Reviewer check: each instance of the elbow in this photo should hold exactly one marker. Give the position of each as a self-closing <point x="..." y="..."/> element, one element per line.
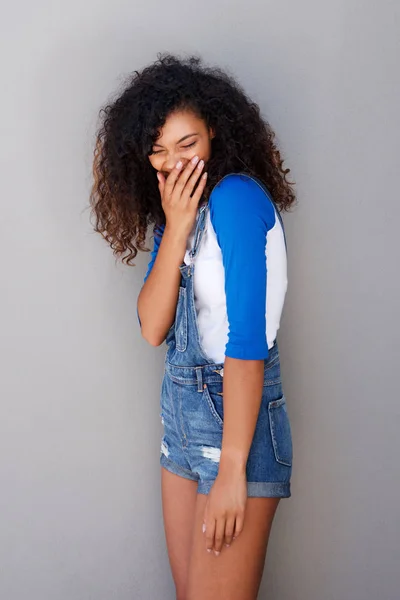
<point x="150" y="332"/>
<point x="152" y="337"/>
<point x="153" y="341"/>
<point x="149" y="335"/>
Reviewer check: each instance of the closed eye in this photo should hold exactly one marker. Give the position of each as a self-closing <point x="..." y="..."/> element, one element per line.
<point x="189" y="146"/>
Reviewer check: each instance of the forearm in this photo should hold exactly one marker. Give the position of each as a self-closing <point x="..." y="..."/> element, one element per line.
<point x="158" y="297"/>
<point x="242" y="394"/>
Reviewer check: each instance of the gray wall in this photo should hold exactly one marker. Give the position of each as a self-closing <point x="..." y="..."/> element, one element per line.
<point x="79" y="505"/>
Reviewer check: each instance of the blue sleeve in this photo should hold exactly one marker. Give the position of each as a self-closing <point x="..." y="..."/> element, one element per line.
<point x="158" y="233"/>
<point x="242" y="213"/>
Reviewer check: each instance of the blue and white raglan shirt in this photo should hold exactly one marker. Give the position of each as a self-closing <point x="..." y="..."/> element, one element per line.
<point x="240" y="276"/>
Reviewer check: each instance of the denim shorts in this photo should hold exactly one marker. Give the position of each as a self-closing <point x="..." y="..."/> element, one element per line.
<point x="192" y="415"/>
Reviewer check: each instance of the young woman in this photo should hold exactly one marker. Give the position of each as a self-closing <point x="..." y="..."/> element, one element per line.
<point x="185" y="150"/>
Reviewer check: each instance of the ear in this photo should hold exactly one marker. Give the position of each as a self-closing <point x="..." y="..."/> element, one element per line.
<point x="212" y="133"/>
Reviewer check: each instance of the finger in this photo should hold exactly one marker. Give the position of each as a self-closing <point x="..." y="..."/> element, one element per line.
<point x="161" y="182"/>
<point x="172" y="177"/>
<point x="229" y="531"/>
<point x="219" y="535"/>
<point x="209" y="533"/>
<point x="199" y="190"/>
<point x="205" y="517"/>
<point x="194" y="178"/>
<point x="239" y="525"/>
<point x="186" y="173"/>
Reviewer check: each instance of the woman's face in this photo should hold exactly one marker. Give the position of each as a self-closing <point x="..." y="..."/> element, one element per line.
<point x="183" y="136"/>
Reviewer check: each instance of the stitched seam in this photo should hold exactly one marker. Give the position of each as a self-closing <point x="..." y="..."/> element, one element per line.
<point x="181" y="330"/>
<point x="272" y="382"/>
<point x="179" y="467"/>
<point x="274" y="440"/>
<point x="186" y="367"/>
<point x="193" y="381"/>
<point x="212" y="407"/>
<point x="272" y="363"/>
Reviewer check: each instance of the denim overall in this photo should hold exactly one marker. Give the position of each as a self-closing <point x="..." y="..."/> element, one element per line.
<point x="192" y="404"/>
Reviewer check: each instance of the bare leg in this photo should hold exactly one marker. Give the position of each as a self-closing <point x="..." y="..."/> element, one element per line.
<point x="236" y="573"/>
<point x="179" y="504"/>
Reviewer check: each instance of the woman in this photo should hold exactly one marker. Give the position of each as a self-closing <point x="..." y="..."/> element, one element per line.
<point x="184" y="149"/>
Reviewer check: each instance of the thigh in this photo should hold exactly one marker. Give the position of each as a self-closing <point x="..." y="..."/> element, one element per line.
<point x="179" y="505"/>
<point x="236" y="573"/>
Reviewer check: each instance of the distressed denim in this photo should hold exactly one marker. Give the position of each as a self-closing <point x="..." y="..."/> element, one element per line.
<point x="192" y="409"/>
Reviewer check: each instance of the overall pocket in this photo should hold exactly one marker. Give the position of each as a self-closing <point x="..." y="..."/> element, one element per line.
<point x="280" y="431"/>
<point x="181" y="321"/>
<point x="212" y="394"/>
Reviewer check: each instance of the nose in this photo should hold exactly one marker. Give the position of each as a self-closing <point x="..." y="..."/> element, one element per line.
<point x="170" y="163"/>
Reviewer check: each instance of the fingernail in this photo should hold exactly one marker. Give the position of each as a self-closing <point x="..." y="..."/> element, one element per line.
<point x="158" y="176"/>
<point x="208" y="550"/>
<point x="179" y="164"/>
<point x="204" y="527"/>
<point x="195" y="159"/>
<point x="201" y="164"/>
<point x="227" y="545"/>
<point x="217" y="553"/>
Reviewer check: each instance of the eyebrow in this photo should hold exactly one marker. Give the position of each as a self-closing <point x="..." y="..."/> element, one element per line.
<point x="179" y="141"/>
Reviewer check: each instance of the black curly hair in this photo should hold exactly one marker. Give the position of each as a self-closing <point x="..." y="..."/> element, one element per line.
<point x="125" y="198"/>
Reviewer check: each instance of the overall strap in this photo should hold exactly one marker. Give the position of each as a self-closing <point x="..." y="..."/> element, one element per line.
<point x="264" y="187"/>
<point x="200" y="227"/>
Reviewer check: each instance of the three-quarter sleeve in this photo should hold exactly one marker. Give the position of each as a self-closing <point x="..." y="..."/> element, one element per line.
<point x="158" y="232"/>
<point x="242" y="214"/>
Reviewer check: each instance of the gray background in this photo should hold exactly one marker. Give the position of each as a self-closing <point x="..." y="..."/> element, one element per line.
<point x="80" y="499"/>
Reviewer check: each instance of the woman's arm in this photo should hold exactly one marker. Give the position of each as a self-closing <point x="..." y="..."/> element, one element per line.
<point x="243" y="387"/>
<point x="158" y="297"/>
<point x="241" y="215"/>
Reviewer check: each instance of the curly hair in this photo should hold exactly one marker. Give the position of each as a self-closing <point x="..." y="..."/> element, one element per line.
<point x="125" y="197"/>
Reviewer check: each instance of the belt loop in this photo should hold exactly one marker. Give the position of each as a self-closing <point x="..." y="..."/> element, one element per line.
<point x="199" y="376"/>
